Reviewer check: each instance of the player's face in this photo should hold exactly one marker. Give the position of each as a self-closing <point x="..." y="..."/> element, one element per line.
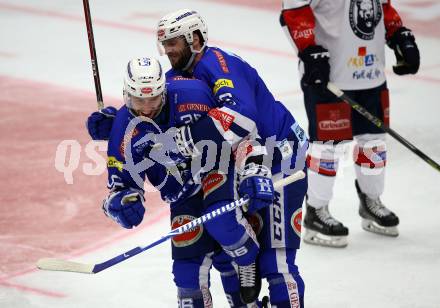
<point x="147" y="106"/>
<point x="177" y="51"/>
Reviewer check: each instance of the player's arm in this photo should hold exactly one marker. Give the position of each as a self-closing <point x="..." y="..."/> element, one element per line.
<point x="401" y="40"/>
<point x="298" y="21"/>
<point x="232" y="123"/>
<point x="124" y="203"/>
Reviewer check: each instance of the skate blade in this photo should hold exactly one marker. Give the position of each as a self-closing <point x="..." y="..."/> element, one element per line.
<point x="372" y="226"/>
<point x="316" y="238"/>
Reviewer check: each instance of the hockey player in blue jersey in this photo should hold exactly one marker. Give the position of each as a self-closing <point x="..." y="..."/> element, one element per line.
<point x="150" y="108"/>
<point x="247" y="110"/>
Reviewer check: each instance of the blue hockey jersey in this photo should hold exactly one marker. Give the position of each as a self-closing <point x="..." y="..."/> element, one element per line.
<point x="247" y="107"/>
<point x="129" y="159"/>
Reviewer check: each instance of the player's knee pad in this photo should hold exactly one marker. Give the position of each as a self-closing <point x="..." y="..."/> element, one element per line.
<point x="234" y="234"/>
<point x="370" y="151"/>
<point x="194" y="298"/>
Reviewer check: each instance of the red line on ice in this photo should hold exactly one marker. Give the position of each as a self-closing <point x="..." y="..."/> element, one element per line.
<point x="124" y="26"/>
<point x="24" y="288"/>
<point x="33" y="224"/>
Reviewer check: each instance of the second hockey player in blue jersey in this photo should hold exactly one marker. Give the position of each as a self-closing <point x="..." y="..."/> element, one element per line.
<point x="247" y="111"/>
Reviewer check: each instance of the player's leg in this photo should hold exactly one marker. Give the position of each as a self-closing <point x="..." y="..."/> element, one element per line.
<point x="320" y="227"/>
<point x="232" y="231"/>
<point x="192" y="254"/>
<point x="279" y="233"/>
<point x="329" y="125"/>
<point x="286" y="287"/>
<point x="191" y="277"/>
<point x="230" y="280"/>
<point x="370" y="163"/>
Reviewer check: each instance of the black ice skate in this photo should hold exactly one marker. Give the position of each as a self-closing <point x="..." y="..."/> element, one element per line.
<point x="250" y="283"/>
<point x="375" y="216"/>
<point x="322" y="229"/>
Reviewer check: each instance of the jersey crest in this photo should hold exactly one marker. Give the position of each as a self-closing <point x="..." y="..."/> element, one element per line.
<point x="364" y="16"/>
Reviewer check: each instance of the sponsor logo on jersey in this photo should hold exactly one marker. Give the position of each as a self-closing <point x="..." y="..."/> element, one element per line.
<point x="296" y="220"/>
<point x="212" y="181"/>
<point x="364" y="16"/>
<point x="285" y="148"/>
<point x="221" y="61"/>
<point x="362" y="59"/>
<point x="221" y="83"/>
<point x="334" y="125"/>
<point x="126" y="141"/>
<point x="256" y="222"/>
<point x="299" y="133"/>
<point x="224" y="118"/>
<point x="192" y="107"/>
<point x="304" y="34"/>
<point x="189" y="237"/>
<point x="112" y="162"/>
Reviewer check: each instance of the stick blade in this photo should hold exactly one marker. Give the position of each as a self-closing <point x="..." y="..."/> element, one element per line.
<point x="53" y="264"/>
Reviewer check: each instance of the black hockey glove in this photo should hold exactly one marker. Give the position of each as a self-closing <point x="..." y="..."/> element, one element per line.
<point x="316" y="67"/>
<point x="406" y="51"/>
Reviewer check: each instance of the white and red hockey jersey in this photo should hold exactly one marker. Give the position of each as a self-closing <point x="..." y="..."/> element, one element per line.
<point x="354" y="32"/>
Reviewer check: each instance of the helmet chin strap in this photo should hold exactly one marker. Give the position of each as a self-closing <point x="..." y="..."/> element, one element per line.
<point x="194" y="53"/>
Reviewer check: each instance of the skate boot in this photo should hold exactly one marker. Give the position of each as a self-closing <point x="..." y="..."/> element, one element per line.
<point x="322" y="229"/>
<point x="250" y="282"/>
<point x="375" y="216"/>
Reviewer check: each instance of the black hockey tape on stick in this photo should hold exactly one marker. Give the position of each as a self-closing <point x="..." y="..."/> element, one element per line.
<point x="93" y="58"/>
<point x="356" y="106"/>
<point x="53" y="264"/>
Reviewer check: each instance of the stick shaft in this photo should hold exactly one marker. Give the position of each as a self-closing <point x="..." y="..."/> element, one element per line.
<point x="64" y="265"/>
<point x="356" y="106"/>
<point x="93" y="57"/>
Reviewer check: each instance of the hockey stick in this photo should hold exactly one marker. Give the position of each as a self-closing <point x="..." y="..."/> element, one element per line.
<point x="53" y="264"/>
<point x="93" y="58"/>
<point x="356" y="106"/>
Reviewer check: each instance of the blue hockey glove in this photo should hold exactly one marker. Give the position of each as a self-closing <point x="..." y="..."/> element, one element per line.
<point x="256" y="183"/>
<point x="125" y="207"/>
<point x="99" y="123"/>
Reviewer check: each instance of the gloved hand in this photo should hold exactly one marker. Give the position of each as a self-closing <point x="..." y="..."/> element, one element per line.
<point x="316" y="67"/>
<point x="99" y="123"/>
<point x="407" y="53"/>
<point x="256" y="183"/>
<point x="125" y="207"/>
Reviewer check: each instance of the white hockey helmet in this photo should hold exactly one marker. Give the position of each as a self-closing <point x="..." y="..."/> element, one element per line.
<point x="143" y="78"/>
<point x="181" y="23"/>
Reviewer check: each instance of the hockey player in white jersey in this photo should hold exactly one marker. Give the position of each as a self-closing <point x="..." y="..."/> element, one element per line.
<point x="343" y="41"/>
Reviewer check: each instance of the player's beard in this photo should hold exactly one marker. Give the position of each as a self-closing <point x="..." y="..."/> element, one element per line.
<point x="182" y="58"/>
